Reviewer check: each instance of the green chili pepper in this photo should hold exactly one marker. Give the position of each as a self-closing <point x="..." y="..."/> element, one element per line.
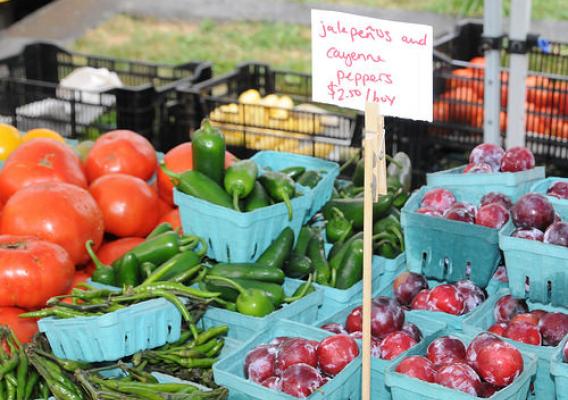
<point x="400" y="199"/>
<point x="248" y="271"/>
<point x="280" y="187"/>
<point x="31" y="383"/>
<point x="316" y="253"/>
<point x="174" y="266"/>
<point x="208" y="151"/>
<point x="309" y="178"/>
<point x="293" y="172"/>
<point x="240" y="179"/>
<point x="127" y="272"/>
<point x="161" y="248"/>
<point x="387" y="249"/>
<point x="9" y="366"/>
<point x="11" y="390"/>
<point x="298" y="267"/>
<point x="336" y="257"/>
<point x="161" y="228"/>
<point x="358" y="177"/>
<point x="338" y="227"/>
<point x="273" y="290"/>
<point x="199" y="185"/>
<point x="384" y="223"/>
<point x="279" y="250"/>
<point x="258" y="198"/>
<point x="352" y="209"/>
<point x="103" y="273"/>
<point x="304" y="238"/>
<point x="253" y="302"/>
<point x="351" y="269"/>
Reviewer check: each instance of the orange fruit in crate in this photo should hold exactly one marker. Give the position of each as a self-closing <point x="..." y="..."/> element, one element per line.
<point x="467" y="78"/>
<point x="560" y="129"/>
<point x="42" y="133"/>
<point x="10" y="139"/>
<point x="464" y="105"/>
<point x="560" y="97"/>
<point x="539" y="90"/>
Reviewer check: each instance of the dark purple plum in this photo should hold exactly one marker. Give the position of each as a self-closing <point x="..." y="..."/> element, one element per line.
<point x="533" y="210"/>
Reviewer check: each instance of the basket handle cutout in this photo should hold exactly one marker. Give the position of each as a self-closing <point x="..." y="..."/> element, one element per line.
<point x="527" y="286"/>
<point x="549" y="291"/>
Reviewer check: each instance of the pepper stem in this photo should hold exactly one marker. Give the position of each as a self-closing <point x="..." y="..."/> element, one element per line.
<point x="174" y="177"/>
<point x="98" y="263"/>
<point x="288" y="203"/>
<point x="234" y="284"/>
<point x="236" y="200"/>
<point x="302" y="292"/>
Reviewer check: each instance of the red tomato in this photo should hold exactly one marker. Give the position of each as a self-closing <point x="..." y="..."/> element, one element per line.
<point x="111" y="251"/>
<point x="173" y="218"/>
<point x="179" y="159"/>
<point x="32" y="271"/>
<point x="164" y="207"/>
<point x="58" y="212"/>
<point x="129" y="205"/>
<point x="24" y="328"/>
<point x="124" y="152"/>
<point x="39" y="161"/>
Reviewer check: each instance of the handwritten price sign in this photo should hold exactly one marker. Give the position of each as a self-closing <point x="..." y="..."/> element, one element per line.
<point x="357" y="59"/>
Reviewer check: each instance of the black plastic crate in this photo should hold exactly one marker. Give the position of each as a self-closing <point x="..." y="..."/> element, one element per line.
<point x="458" y="102"/>
<point x="30" y="96"/>
<point x="332" y="133"/>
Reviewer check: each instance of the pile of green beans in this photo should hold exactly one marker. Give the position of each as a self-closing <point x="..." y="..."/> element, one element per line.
<point x="31" y="371"/>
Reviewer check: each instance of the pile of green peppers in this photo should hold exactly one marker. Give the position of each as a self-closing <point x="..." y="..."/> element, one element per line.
<point x="256" y="289"/>
<point x="32" y="371"/>
<point x="238" y="187"/>
<point x="163" y="250"/>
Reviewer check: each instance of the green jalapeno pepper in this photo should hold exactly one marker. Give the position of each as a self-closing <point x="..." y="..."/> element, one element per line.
<point x="309" y="178"/>
<point x="258" y="198"/>
<point x="294" y="172"/>
<point x="352" y="209"/>
<point x="280" y="188"/>
<point x="338" y="227"/>
<point x="279" y="250"/>
<point x="240" y="179"/>
<point x="208" y="152"/>
<point x="104" y="274"/>
<point x="249" y="271"/>
<point x="351" y="270"/>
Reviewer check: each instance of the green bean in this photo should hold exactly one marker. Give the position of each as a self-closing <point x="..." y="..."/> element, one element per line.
<point x="11" y="389"/>
<point x="43" y="390"/>
<point x="216" y="349"/>
<point x="2" y="393"/>
<point x="9" y="366"/>
<point x="177" y="287"/>
<point x="21" y="373"/>
<point x="211" y="333"/>
<point x="30" y="384"/>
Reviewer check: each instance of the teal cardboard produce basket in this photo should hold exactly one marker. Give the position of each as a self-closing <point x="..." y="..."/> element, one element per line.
<point x="513" y="184"/>
<point x="234" y="236"/>
<point x="542" y="186"/>
<point x="481" y="321"/>
<point x="537" y="271"/>
<point x="449" y="250"/>
<point x="243" y="327"/>
<point x="111" y="336"/>
<point x="404" y="387"/>
<point x="276" y="161"/>
<point x="229" y="371"/>
<point x="559" y="372"/>
<point x="430" y="329"/>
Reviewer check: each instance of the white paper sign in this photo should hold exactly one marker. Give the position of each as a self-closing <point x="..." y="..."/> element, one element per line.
<point x="357" y="59"/>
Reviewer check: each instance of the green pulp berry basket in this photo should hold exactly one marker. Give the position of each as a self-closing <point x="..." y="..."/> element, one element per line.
<point x="481" y="321"/>
<point x="384" y="271"/>
<point x="542" y="186"/>
<point x="229" y="371"/>
<point x="111" y="336"/>
<point x="404" y="387"/>
<point x="537" y="271"/>
<point x="234" y="236"/>
<point x="449" y="250"/>
<point x="321" y="193"/>
<point x="242" y="327"/>
<point x="513" y="184"/>
<point x="559" y="372"/>
<point x="453" y="322"/>
<point x="430" y="329"/>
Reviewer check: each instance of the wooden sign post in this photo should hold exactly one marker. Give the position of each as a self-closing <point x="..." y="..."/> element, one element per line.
<point x="375" y="185"/>
<point x="361" y="63"/>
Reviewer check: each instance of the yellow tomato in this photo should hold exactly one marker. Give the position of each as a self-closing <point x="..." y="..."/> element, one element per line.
<point x="42" y="133"/>
<point x="10" y="139"/>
